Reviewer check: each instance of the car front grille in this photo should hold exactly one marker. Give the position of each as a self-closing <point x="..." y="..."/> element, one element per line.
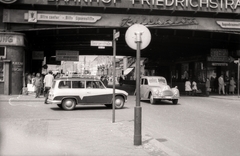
<point x="167" y="93"/>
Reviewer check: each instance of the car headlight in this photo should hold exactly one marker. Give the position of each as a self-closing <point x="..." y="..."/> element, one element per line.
<point x="156" y="92"/>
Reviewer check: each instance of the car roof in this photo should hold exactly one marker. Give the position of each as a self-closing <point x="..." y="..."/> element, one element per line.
<point x="78" y="77"/>
<point x="153" y="77"/>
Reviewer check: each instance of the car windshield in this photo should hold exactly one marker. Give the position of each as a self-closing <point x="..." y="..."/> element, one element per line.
<point x="156" y="81"/>
<point x="94" y="84"/>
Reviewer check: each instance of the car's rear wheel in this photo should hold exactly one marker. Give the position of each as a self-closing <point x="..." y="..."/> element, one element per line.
<point x="119" y="102"/>
<point x="59" y="105"/>
<point x="175" y="101"/>
<point x="68" y="104"/>
<point x="152" y="100"/>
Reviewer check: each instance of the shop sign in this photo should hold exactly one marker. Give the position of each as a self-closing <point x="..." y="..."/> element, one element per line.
<point x="229" y="24"/>
<point x="65" y="55"/>
<point x="11" y="40"/>
<point x="218" y="59"/>
<point x="194" y="5"/>
<point x="17" y="66"/>
<point x="33" y="17"/>
<point x="219" y="53"/>
<point x="37" y="55"/>
<point x="158" y="22"/>
<point x="219" y="64"/>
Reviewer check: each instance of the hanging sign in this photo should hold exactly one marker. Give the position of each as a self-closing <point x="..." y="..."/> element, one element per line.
<point x="66" y="55"/>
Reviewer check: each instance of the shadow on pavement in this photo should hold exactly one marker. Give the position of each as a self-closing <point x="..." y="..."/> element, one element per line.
<point x="86" y="108"/>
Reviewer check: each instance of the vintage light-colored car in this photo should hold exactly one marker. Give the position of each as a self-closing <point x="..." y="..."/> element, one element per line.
<point x="68" y="92"/>
<point x="156" y="88"/>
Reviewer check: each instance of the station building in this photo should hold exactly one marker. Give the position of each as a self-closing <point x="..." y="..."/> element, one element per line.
<point x="195" y="39"/>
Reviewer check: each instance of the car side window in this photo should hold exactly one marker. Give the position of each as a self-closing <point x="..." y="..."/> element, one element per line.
<point x="142" y="80"/>
<point x="64" y="84"/>
<point x="146" y="82"/>
<point x="78" y="84"/>
<point x="90" y="84"/>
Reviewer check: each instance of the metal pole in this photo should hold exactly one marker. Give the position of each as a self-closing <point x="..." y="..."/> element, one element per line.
<point x="138" y="109"/>
<point x="114" y="73"/>
<point x="238" y="76"/>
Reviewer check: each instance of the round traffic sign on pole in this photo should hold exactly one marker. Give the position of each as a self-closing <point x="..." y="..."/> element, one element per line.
<point x="131" y="36"/>
<point x="138" y="37"/>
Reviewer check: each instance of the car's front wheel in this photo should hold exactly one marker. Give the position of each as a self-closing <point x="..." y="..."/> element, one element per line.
<point x="68" y="104"/>
<point x="119" y="102"/>
<point x="152" y="100"/>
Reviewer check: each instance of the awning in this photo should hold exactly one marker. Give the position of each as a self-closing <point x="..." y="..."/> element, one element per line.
<point x="127" y="71"/>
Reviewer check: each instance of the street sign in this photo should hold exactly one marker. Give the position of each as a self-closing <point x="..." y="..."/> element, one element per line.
<point x="131" y="36"/>
<point x="101" y="43"/>
<point x="236" y="61"/>
<point x="116" y="35"/>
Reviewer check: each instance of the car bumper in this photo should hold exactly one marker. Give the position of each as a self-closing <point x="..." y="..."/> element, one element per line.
<point x="49" y="101"/>
<point x="165" y="97"/>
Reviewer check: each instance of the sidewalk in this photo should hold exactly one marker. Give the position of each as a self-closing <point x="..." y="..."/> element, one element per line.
<point x="72" y="136"/>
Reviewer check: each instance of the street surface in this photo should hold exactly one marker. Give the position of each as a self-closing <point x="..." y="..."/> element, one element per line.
<point x="197" y="126"/>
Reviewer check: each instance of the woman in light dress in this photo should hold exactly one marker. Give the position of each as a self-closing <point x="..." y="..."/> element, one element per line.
<point x="188" y="88"/>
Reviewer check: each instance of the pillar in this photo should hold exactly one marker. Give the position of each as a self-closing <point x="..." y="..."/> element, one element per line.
<point x="14" y="61"/>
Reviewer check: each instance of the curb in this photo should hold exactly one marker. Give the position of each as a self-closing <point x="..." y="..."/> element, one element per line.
<point x="226" y="98"/>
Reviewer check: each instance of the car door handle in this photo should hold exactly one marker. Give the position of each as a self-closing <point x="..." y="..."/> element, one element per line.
<point x="88" y="92"/>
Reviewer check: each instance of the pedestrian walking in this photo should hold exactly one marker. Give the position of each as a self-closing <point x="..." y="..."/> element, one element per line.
<point x="37" y="83"/>
<point x="48" y="81"/>
<point x="227" y="84"/>
<point x="188" y="88"/>
<point x="221" y="85"/>
<point x="105" y="81"/>
<point x="208" y="85"/>
<point x="232" y="86"/>
<point x="194" y="87"/>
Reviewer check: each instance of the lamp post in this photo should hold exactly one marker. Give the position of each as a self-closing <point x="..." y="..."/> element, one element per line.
<point x="237" y="62"/>
<point x="138" y="37"/>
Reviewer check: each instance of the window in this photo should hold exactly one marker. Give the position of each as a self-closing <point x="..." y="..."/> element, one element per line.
<point x="64" y="84"/>
<point x="2" y="52"/>
<point x="94" y="84"/>
<point x="142" y="80"/>
<point x="78" y="84"/>
<point x="146" y="82"/>
<point x="161" y="80"/>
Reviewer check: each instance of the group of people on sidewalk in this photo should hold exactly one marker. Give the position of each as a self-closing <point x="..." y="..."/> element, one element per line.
<point x="225" y="86"/>
<point x="191" y="87"/>
<point x="40" y="84"/>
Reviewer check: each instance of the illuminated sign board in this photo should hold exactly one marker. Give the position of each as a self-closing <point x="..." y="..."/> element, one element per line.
<point x="11" y="39"/>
